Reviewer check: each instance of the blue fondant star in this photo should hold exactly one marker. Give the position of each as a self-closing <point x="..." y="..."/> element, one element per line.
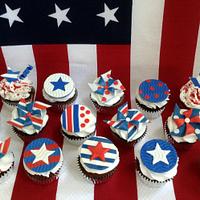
<point x="60" y="84"/>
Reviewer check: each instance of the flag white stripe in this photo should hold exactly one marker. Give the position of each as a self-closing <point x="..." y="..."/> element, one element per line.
<point x="16" y="57"/>
<point x="83" y="69"/>
<point x="196" y="69"/>
<point x="145" y="51"/>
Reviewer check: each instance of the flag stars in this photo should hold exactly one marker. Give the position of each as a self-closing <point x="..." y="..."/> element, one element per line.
<point x="11" y="15"/>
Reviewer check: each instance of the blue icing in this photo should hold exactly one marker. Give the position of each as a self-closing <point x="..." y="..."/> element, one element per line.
<point x="159" y="167"/>
<point x="153" y="90"/>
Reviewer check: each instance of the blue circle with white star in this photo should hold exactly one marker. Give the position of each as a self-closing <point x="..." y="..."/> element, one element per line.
<point x="153" y="90"/>
<point x="58" y="85"/>
<point x="158" y="161"/>
<point x="43" y="148"/>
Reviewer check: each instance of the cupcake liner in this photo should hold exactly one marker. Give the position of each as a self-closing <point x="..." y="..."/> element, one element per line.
<point x="76" y="141"/>
<point x="150" y="114"/>
<point x="105" y="109"/>
<point x="102" y="178"/>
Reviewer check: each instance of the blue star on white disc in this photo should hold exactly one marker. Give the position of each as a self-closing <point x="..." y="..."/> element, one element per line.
<point x="59" y="84"/>
<point x="159" y="155"/>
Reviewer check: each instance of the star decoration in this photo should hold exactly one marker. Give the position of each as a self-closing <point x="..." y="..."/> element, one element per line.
<point x="127" y="120"/>
<point x="11" y="76"/>
<point x="11" y="15"/>
<point x="98" y="151"/>
<point x="60" y="15"/>
<point x="159" y="155"/>
<point x="196" y="81"/>
<point x="59" y="85"/>
<point x="187" y="122"/>
<point x="42" y="154"/>
<point x="108" y="14"/>
<point x="106" y="86"/>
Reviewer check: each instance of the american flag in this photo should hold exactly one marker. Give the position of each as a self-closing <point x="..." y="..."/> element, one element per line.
<point x="137" y="40"/>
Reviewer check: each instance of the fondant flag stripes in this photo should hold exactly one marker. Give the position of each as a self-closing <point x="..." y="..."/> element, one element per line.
<point x="4" y="146"/>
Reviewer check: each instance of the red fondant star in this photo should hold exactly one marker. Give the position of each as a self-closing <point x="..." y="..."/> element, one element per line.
<point x="98" y="151"/>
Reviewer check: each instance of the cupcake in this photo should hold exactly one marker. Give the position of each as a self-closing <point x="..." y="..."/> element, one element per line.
<point x="6" y="160"/>
<point x="78" y="123"/>
<point x="129" y="125"/>
<point x="106" y="92"/>
<point x="157" y="162"/>
<point x="98" y="159"/>
<point x="190" y="93"/>
<point x="152" y="97"/>
<point x="29" y="118"/>
<point x="15" y="85"/>
<point x="42" y="160"/>
<point x="59" y="90"/>
<point x="183" y="126"/>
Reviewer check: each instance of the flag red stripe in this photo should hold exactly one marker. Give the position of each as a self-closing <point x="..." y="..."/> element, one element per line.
<point x="3" y="69"/>
<point x="179" y="39"/>
<point x="69" y="118"/>
<point x="49" y="59"/>
<point x="117" y="58"/>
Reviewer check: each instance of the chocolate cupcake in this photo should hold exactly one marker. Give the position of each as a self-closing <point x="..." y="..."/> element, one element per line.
<point x="28" y="119"/>
<point x="190" y="93"/>
<point x="78" y="123"/>
<point x="183" y="126"/>
<point x="157" y="162"/>
<point x="6" y="160"/>
<point x="106" y="92"/>
<point x="42" y="160"/>
<point x="59" y="90"/>
<point x="129" y="125"/>
<point x="98" y="159"/>
<point x="15" y="85"/>
<point x="151" y="97"/>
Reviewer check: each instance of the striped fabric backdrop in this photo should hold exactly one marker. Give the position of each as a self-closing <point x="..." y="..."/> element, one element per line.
<point x="165" y="44"/>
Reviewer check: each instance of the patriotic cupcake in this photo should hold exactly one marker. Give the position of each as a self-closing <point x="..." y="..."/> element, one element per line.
<point x="15" y="85"/>
<point x="190" y="93"/>
<point x="29" y="118"/>
<point x="129" y="125"/>
<point x="78" y="123"/>
<point x="106" y="92"/>
<point x="59" y="90"/>
<point x="6" y="160"/>
<point x="98" y="159"/>
<point x="157" y="162"/>
<point x="183" y="126"/>
<point x="152" y="97"/>
<point x="42" y="160"/>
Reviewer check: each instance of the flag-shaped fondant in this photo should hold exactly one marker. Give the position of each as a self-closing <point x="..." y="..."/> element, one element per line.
<point x="127" y="120"/>
<point x="29" y="114"/>
<point x="196" y="81"/>
<point x="4" y="146"/>
<point x="106" y="86"/>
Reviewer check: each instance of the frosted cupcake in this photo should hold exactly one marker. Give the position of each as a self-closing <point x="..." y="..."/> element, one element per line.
<point x="42" y="160"/>
<point x="183" y="126"/>
<point x="106" y="92"/>
<point x="59" y="90"/>
<point x="6" y="160"/>
<point x="151" y="97"/>
<point x="129" y="125"/>
<point x="16" y="85"/>
<point x="98" y="159"/>
<point x="78" y="123"/>
<point x="29" y="118"/>
<point x="157" y="162"/>
<point x="190" y="93"/>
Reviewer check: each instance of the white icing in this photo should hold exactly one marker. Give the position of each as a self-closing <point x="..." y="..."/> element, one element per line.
<point x="191" y="138"/>
<point x="6" y="162"/>
<point x="9" y="92"/>
<point x="190" y="95"/>
<point x="149" y="104"/>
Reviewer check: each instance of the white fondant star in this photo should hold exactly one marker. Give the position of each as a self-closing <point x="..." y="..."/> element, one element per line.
<point x="11" y="15"/>
<point x="42" y="154"/>
<point x="108" y="14"/>
<point x="159" y="154"/>
<point x="60" y="15"/>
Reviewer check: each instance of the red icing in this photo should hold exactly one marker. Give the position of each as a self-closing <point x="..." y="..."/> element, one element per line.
<point x="116" y="83"/>
<point x="107" y="92"/>
<point x="86" y="120"/>
<point x="147" y="97"/>
<point x="140" y="91"/>
<point x="82" y="115"/>
<point x="156" y="96"/>
<point x="160" y="84"/>
<point x="82" y="108"/>
<point x="82" y="125"/>
<point x="104" y="99"/>
<point x="152" y="88"/>
<point x="148" y="81"/>
<point x="87" y="112"/>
